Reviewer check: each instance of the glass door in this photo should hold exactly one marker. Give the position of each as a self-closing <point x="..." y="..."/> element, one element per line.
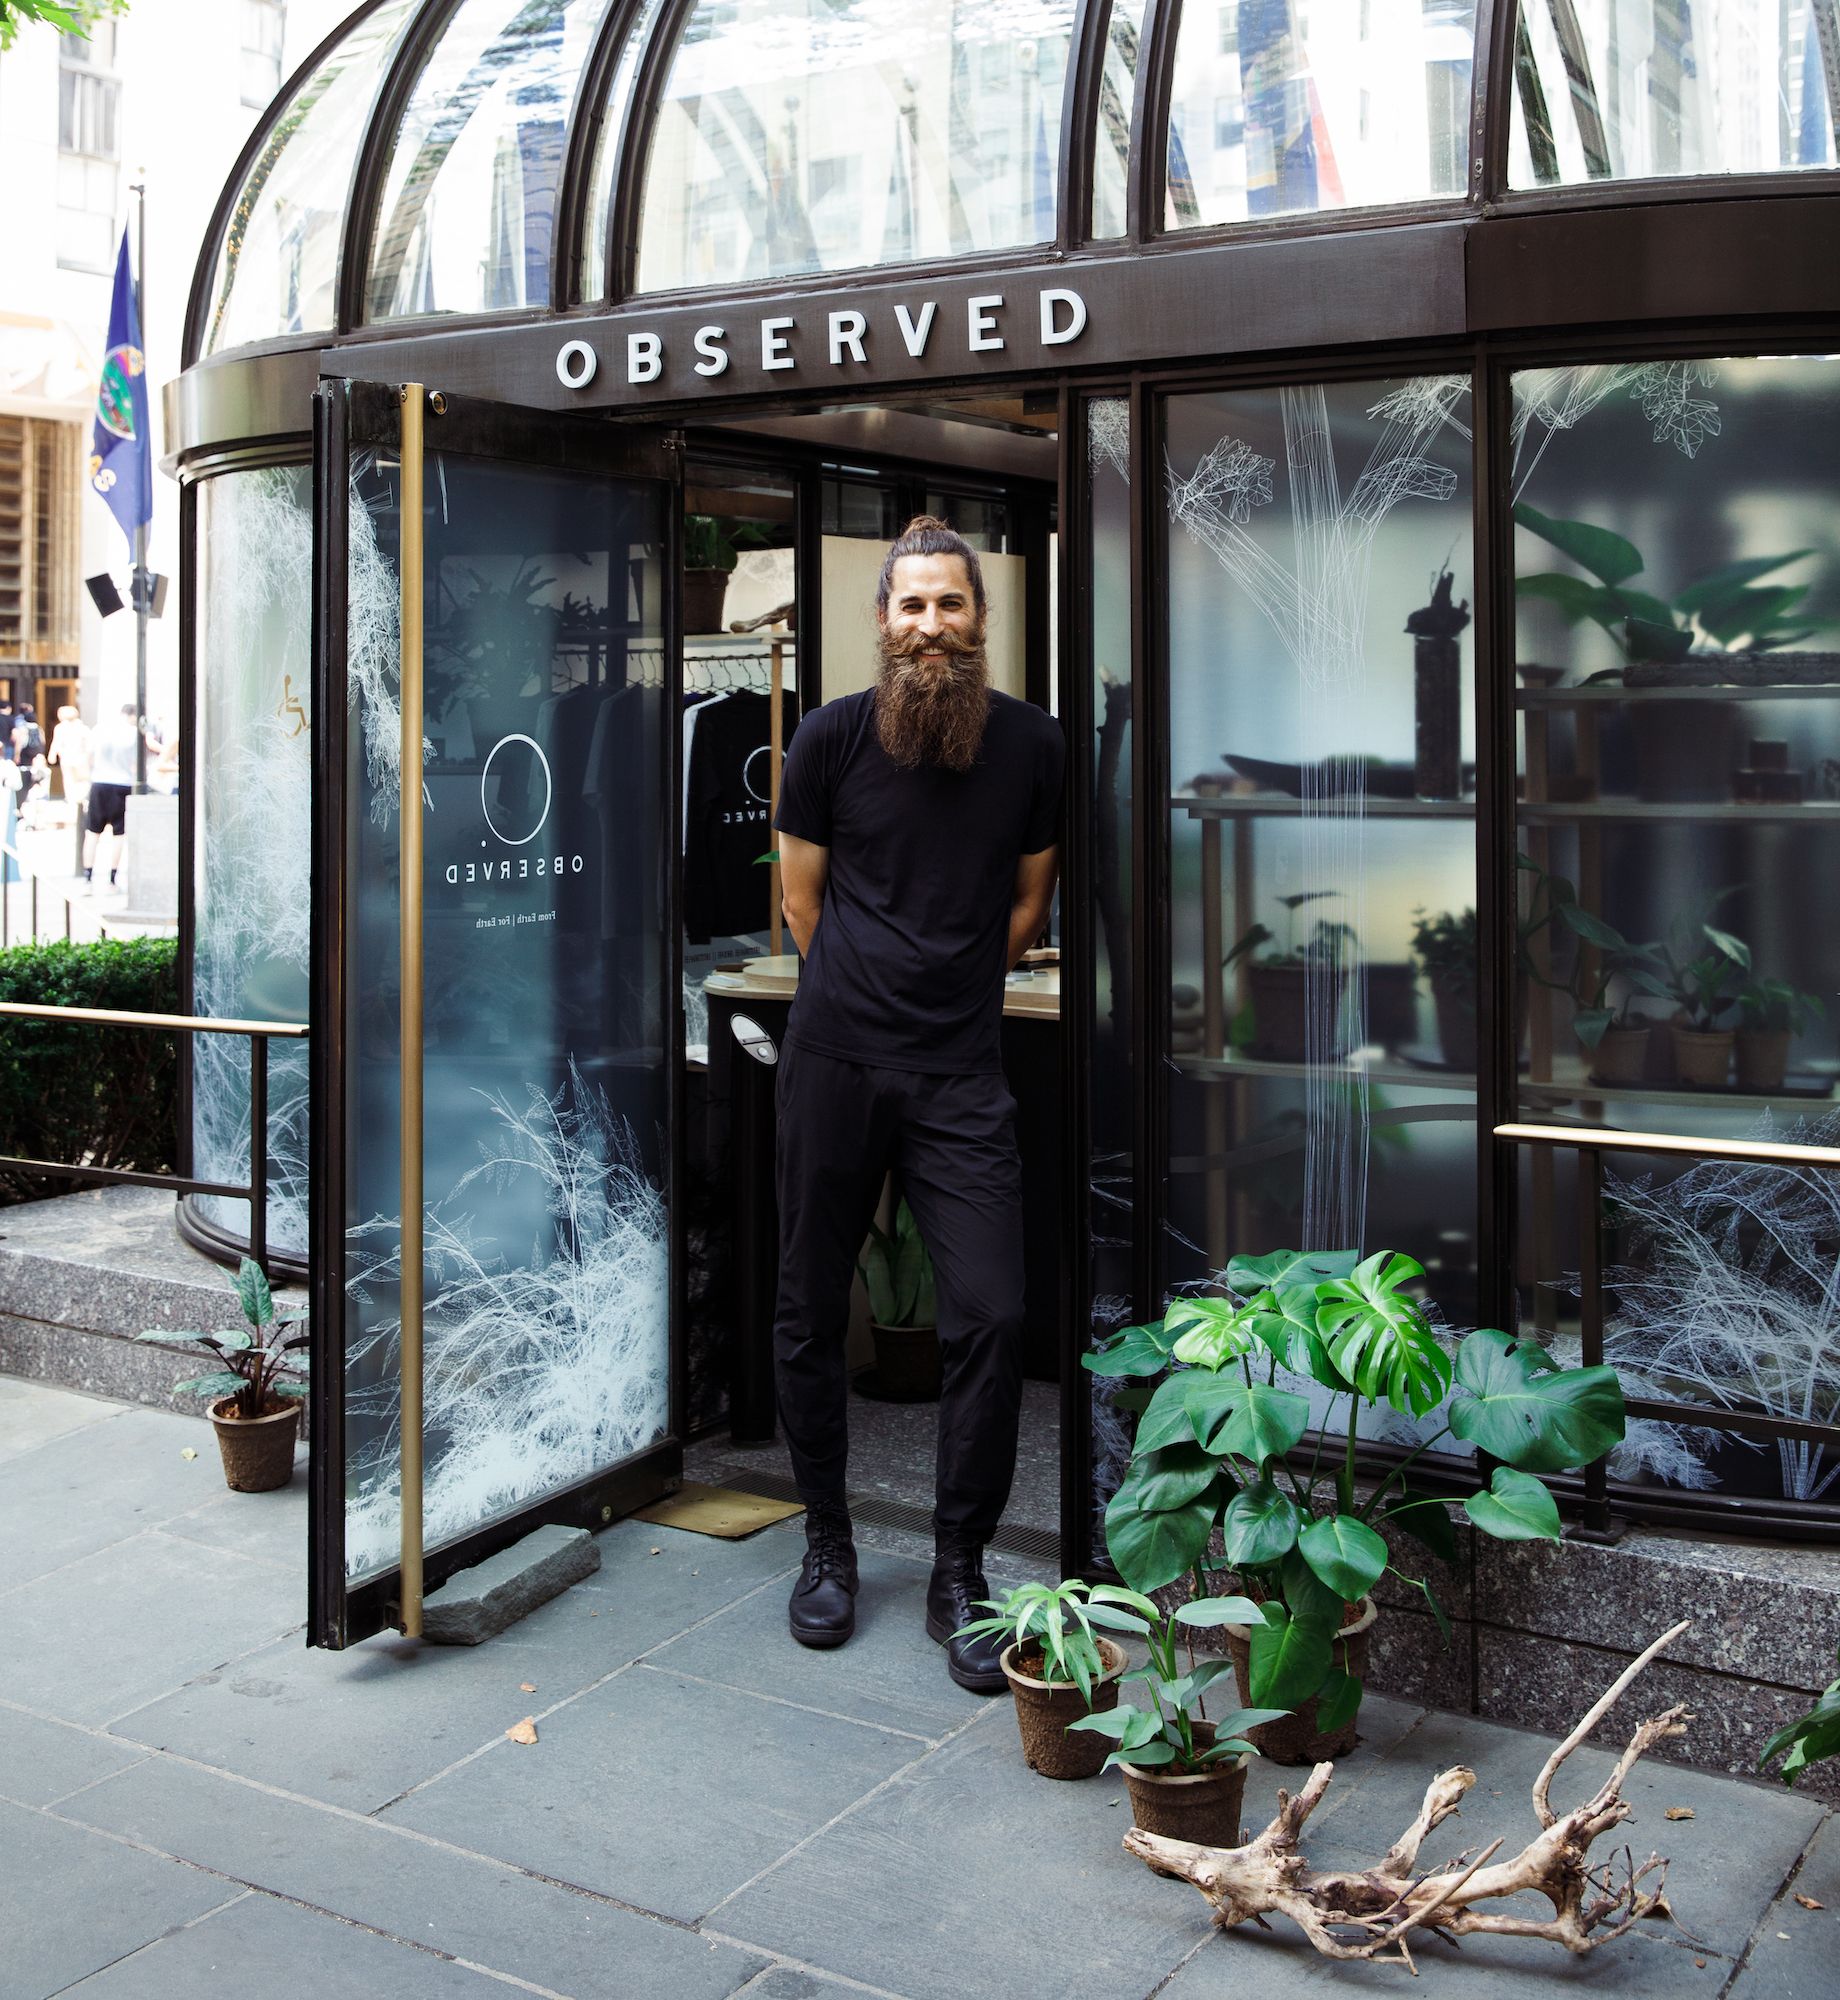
<point x="495" y="1020"/>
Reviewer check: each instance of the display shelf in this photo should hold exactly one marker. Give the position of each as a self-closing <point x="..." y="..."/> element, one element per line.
<point x="1381" y="1068"/>
<point x="1674" y="812"/>
<point x="1280" y="805"/>
<point x="1541" y="1095"/>
<point x="1587" y="697"/>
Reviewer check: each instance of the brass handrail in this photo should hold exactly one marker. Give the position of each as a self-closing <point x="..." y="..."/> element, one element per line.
<point x="1609" y="1139"/>
<point x="116" y="1017"/>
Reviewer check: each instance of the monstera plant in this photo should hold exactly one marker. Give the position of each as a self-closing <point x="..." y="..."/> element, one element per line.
<point x="1222" y="1445"/>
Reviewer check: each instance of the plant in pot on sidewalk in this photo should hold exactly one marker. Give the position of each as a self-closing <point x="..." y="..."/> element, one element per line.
<point x="1186" y="1774"/>
<point x="1059" y="1667"/>
<point x="1771" y="1013"/>
<point x="255" y="1414"/>
<point x="1701" y="965"/>
<point x="903" y="1319"/>
<point x="1222" y="1447"/>
<point x="1282" y="983"/>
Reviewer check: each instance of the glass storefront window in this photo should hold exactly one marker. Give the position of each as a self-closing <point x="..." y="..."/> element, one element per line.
<point x="828" y="135"/>
<point x="1112" y="135"/>
<point x="251" y="891"/>
<point x="278" y="266"/>
<point x="1277" y="108"/>
<point x="1606" y="90"/>
<point x="1322" y="836"/>
<point x="469" y="206"/>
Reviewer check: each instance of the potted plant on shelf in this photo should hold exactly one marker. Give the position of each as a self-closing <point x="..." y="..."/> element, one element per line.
<point x="1771" y="1013"/>
<point x="255" y="1414"/>
<point x="1281" y="984"/>
<point x="1613" y="1037"/>
<point x="1446" y="946"/>
<point x="1186" y="1775"/>
<point x="1700" y="964"/>
<point x="898" y="1273"/>
<point x="1221" y="1448"/>
<point x="712" y="547"/>
<point x="1058" y="1667"/>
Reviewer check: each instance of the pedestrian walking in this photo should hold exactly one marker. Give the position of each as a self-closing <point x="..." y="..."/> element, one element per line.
<point x="70" y="751"/>
<point x="917" y="829"/>
<point x="111" y="780"/>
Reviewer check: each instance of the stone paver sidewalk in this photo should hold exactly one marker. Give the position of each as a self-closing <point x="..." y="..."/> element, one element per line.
<point x="193" y="1804"/>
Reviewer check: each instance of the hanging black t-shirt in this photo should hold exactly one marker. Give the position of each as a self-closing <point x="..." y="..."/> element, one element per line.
<point x="907" y="963"/>
<point x="727" y="890"/>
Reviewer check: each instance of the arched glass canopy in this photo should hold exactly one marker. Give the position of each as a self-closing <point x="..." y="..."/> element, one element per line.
<point x="461" y="158"/>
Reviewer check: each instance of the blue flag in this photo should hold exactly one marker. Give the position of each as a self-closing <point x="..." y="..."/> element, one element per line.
<point x="121" y="449"/>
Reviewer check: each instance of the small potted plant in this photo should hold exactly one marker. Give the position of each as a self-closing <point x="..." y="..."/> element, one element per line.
<point x="898" y="1273"/>
<point x="1186" y="1774"/>
<point x="1446" y="946"/>
<point x="1810" y="1739"/>
<point x="1701" y="963"/>
<point x="1613" y="1037"/>
<point x="1280" y="984"/>
<point x="1219" y="1451"/>
<point x="1771" y="1013"/>
<point x="1058" y="1667"/>
<point x="712" y="547"/>
<point x="255" y="1414"/>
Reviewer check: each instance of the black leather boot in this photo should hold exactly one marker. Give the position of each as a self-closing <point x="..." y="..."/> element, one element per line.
<point x="954" y="1597"/>
<point x="823" y="1607"/>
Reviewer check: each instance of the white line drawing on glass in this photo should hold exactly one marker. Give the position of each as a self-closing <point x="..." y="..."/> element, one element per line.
<point x="535" y="1374"/>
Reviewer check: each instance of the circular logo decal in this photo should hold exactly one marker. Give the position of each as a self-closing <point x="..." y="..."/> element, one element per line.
<point x="121" y="367"/>
<point x="515" y="804"/>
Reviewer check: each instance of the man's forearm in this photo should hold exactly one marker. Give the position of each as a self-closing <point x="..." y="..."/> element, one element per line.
<point x="1025" y="922"/>
<point x="803" y="924"/>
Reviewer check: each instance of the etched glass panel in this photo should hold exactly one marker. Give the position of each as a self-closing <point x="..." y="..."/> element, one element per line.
<point x="469" y="207"/>
<point x="1322" y="857"/>
<point x="827" y="135"/>
<point x="1112" y="131"/>
<point x="1277" y="108"/>
<point x="546" y="1106"/>
<point x="252" y="889"/>
<point x="278" y="266"/>
<point x="1622" y="90"/>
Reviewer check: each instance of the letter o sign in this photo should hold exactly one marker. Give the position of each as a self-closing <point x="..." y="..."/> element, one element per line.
<point x="575" y="364"/>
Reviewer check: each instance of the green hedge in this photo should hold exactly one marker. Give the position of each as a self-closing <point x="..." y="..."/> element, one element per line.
<point x="105" y="1097"/>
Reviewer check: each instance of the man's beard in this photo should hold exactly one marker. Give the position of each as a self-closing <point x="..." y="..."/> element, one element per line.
<point x="932" y="711"/>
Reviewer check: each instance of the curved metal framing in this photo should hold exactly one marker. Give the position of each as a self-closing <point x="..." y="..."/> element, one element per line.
<point x="373" y="162"/>
<point x="198" y="304"/>
<point x="1143" y="170"/>
<point x="638" y="120"/>
<point x="579" y="146"/>
<point x="1079" y="102"/>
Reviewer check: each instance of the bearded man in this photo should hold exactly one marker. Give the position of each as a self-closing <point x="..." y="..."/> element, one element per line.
<point x="917" y="827"/>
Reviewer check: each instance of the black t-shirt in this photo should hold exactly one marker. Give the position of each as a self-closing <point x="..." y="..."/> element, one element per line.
<point x="907" y="963"/>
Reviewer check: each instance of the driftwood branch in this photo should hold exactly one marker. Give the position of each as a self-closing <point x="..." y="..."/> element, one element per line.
<point x="1372" y="1913"/>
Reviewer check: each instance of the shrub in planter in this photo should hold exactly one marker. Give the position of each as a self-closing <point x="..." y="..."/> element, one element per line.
<point x="1771" y="1013"/>
<point x="898" y="1274"/>
<point x="256" y="1415"/>
<point x="1060" y="1668"/>
<point x="71" y="1092"/>
<point x="1220" y="1443"/>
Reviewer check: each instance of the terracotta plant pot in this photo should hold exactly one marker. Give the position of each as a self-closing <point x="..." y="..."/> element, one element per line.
<point x="258" y="1452"/>
<point x="1621" y="1057"/>
<point x="907" y="1363"/>
<point x="1702" y="1057"/>
<point x="1763" y="1058"/>
<point x="1279" y="1015"/>
<point x="1455" y="1004"/>
<point x="1204" y="1807"/>
<point x="1295" y="1738"/>
<point x="1045" y="1708"/>
<point x="705" y="591"/>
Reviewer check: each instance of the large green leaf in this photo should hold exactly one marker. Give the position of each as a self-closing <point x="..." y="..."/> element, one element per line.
<point x="1132" y="1350"/>
<point x="1606" y="555"/>
<point x="1289" y="1660"/>
<point x="1266" y="1424"/>
<point x="1380" y="1339"/>
<point x="1210" y="1333"/>
<point x="1310" y="1600"/>
<point x="1285" y="1320"/>
<point x="1430" y="1524"/>
<point x="1261" y="1525"/>
<point x="1149" y="1550"/>
<point x="1720" y="584"/>
<point x="1166" y="1421"/>
<point x="1345" y="1553"/>
<point x="1174" y="1476"/>
<point x="1211" y="1400"/>
<point x="1516" y="1508"/>
<point x="1278" y="1270"/>
<point x="221" y="1384"/>
<point x="1338" y="1700"/>
<point x="1808" y="1739"/>
<point x="1514" y="1400"/>
<point x="1576" y="599"/>
<point x="1206" y="1612"/>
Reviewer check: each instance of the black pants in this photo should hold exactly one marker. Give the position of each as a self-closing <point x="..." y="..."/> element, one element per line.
<point x="951" y="1142"/>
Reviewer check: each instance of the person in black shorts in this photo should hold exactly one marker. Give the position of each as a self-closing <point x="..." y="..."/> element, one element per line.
<point x="108" y="808"/>
<point x="113" y="754"/>
<point x="917" y="838"/>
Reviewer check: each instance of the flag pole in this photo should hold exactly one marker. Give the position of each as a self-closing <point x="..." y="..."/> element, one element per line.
<point x="139" y="190"/>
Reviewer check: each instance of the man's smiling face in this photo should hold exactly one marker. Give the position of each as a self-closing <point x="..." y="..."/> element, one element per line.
<point x="931" y="597"/>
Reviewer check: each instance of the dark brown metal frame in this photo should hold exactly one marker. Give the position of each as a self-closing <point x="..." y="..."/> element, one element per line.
<point x="357" y="414"/>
